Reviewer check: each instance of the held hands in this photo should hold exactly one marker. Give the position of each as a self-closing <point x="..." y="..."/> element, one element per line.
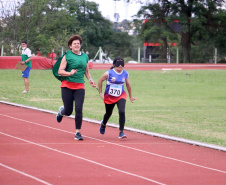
<point x="92" y="83"/>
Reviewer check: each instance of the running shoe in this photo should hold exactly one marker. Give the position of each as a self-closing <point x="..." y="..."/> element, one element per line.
<point x="122" y="135"/>
<point x="102" y="127"/>
<point x="59" y="116"/>
<point x="78" y="136"/>
<point x="25" y="91"/>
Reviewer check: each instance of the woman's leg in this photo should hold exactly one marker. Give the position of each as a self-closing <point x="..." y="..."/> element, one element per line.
<point x="121" y="104"/>
<point x="79" y="96"/>
<point x="67" y="97"/>
<point x="109" y="109"/>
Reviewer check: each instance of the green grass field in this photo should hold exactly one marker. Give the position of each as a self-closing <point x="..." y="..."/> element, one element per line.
<point x="187" y="104"/>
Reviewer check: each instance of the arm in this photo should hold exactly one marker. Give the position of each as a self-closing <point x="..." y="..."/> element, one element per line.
<point x="88" y="76"/>
<point x="102" y="78"/>
<point x="128" y="86"/>
<point x="23" y="62"/>
<point x="28" y="59"/>
<point x="62" y="68"/>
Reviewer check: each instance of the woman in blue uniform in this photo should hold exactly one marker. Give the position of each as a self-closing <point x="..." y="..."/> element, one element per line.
<point x="115" y="93"/>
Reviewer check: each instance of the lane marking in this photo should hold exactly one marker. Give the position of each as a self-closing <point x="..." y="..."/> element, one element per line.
<point x="139" y="150"/>
<point x="94" y="162"/>
<point x="101" y="143"/>
<point x="163" y="136"/>
<point x="171" y="69"/>
<point x="25" y="174"/>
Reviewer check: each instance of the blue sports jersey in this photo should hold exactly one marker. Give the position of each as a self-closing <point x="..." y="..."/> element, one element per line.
<point x="115" y="82"/>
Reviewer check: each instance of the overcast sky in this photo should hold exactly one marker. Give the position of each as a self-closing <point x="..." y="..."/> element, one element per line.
<point x="109" y="7"/>
<point x="125" y="10"/>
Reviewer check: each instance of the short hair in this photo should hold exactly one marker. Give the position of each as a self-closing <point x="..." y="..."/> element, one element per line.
<point x="25" y="42"/>
<point x="74" y="37"/>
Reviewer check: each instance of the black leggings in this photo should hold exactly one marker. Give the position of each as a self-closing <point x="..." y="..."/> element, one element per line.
<point x="121" y="104"/>
<point x="68" y="96"/>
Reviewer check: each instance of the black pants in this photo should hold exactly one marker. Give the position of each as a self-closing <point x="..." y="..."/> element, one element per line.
<point x="121" y="104"/>
<point x="68" y="97"/>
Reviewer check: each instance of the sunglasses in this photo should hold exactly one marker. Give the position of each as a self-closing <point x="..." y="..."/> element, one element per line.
<point x="118" y="63"/>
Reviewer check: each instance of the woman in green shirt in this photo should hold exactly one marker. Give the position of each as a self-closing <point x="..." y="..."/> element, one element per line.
<point x="73" y="67"/>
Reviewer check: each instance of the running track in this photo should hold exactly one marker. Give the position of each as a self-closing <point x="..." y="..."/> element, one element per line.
<point x="35" y="149"/>
<point x="163" y="66"/>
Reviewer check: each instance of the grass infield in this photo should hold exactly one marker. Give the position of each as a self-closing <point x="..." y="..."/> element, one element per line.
<point x="188" y="104"/>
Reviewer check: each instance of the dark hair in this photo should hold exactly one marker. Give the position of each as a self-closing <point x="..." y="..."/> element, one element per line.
<point x="74" y="37"/>
<point x="25" y="42"/>
<point x="118" y="58"/>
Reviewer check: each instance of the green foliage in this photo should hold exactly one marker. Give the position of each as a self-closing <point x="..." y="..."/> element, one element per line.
<point x="200" y="21"/>
<point x="126" y="59"/>
<point x="119" y="44"/>
<point x="48" y="24"/>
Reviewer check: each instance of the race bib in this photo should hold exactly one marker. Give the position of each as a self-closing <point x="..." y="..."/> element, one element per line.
<point x="115" y="90"/>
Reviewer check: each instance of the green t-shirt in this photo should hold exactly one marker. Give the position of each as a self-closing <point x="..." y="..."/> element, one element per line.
<point x="26" y="53"/>
<point x="78" y="62"/>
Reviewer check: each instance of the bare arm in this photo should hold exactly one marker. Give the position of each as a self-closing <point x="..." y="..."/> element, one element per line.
<point x="23" y="62"/>
<point x="88" y="76"/>
<point x="128" y="86"/>
<point x="62" y="68"/>
<point x="28" y="59"/>
<point x="102" y="78"/>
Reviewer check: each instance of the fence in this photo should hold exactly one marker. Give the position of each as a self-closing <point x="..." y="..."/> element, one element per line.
<point x="175" y="55"/>
<point x="155" y="55"/>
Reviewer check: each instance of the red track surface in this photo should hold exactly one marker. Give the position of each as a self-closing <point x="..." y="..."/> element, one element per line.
<point x="163" y="66"/>
<point x="9" y="62"/>
<point x="35" y="149"/>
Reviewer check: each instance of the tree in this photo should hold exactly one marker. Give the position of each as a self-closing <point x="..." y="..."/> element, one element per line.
<point x="35" y="21"/>
<point x="192" y="15"/>
<point x="48" y="24"/>
<point x="8" y="34"/>
<point x="155" y="29"/>
<point x="119" y="44"/>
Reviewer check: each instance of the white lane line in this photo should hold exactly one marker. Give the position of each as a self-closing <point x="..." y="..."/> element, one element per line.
<point x="91" y="143"/>
<point x="167" y="137"/>
<point x="143" y="151"/>
<point x="72" y="155"/>
<point x="25" y="174"/>
<point x="139" y="150"/>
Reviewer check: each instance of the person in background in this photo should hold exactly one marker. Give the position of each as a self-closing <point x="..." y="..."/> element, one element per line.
<point x="115" y="94"/>
<point x="73" y="67"/>
<point x="26" y="60"/>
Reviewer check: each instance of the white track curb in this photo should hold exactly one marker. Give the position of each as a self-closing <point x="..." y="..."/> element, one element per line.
<point x="192" y="142"/>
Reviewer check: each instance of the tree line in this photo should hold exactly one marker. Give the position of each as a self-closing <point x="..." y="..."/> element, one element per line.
<point x="48" y="24"/>
<point x="196" y="26"/>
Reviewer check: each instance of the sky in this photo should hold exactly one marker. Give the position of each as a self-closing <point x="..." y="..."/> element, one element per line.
<point x="109" y="7"/>
<point x="125" y="10"/>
